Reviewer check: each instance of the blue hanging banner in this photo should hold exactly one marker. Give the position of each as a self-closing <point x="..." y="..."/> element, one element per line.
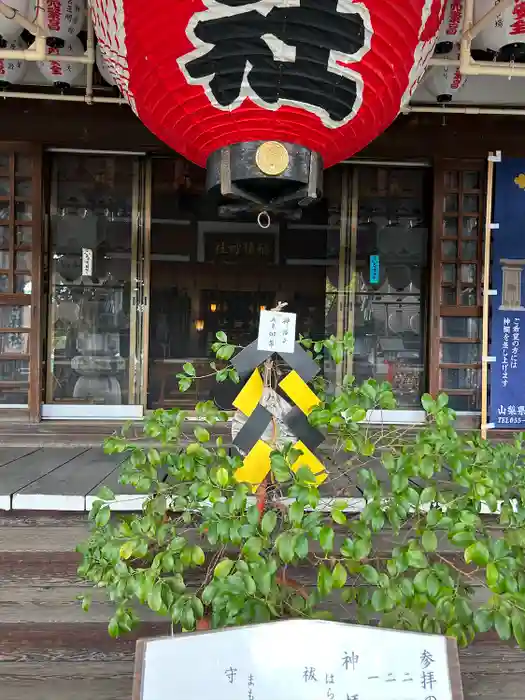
<point x="507" y="372"/>
<point x="374" y="269"/>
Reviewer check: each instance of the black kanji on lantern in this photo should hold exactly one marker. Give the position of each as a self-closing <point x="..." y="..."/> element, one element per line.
<point x="288" y="55"/>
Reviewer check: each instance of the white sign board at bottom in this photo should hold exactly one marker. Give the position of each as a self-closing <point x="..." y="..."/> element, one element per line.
<point x="298" y="660"/>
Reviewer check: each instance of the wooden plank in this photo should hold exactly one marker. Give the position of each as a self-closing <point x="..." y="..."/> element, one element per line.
<point x="24" y="471"/>
<point x="64" y="681"/>
<point x="126" y="496"/>
<point x="9" y="454"/>
<point x="65" y="488"/>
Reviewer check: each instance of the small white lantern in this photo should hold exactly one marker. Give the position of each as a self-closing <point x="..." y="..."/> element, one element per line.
<point x="9" y="28"/>
<point x="64" y="19"/>
<point x="12" y="70"/>
<point x="451" y="28"/>
<point x="63" y="73"/>
<point x="103" y="67"/>
<point x="504" y="37"/>
<point x="444" y="82"/>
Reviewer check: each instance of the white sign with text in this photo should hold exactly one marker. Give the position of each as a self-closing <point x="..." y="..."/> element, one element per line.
<point x="297" y="660"/>
<point x="276" y="331"/>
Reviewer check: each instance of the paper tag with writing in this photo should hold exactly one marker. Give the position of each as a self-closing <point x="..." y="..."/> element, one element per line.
<point x="276" y="331"/>
<point x="87" y="262"/>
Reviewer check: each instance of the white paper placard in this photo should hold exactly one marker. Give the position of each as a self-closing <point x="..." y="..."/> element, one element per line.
<point x="297" y="660"/>
<point x="276" y="331"/>
<point x="87" y="262"/>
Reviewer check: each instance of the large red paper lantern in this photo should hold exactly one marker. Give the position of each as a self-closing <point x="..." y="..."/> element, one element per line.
<point x="313" y="81"/>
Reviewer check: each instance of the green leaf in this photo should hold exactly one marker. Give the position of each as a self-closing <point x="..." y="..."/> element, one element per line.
<point x="197" y="555"/>
<point x="221" y="336"/>
<point x="518" y="627"/>
<point x="429" y="541"/>
<point x="379" y="600"/>
<point x="155" y="597"/>
<point x="370" y="574"/>
<point x="268" y="522"/>
<point x="189" y="369"/>
<point x="361" y="549"/>
<point x="223" y="568"/>
<point x="106" y="494"/>
<point x="416" y="559"/>
<point x="103" y="516"/>
<point x="252" y="547"/>
<point x="296" y="513"/>
<point x="428" y="403"/>
<point x="324" y="580"/>
<point x="253" y="515"/>
<point x="326" y="539"/>
<point x="492" y="575"/>
<point x="184" y="384"/>
<point x="502" y="624"/>
<point x="339" y="517"/>
<point x="483" y="620"/>
<point x="477" y="553"/>
<point x="433" y="585"/>
<point x="201" y="434"/>
<point x="279" y="467"/>
<point x="113" y="628"/>
<point x="285" y="547"/>
<point x="339" y="576"/>
<point x="127" y="549"/>
<point x="222" y="477"/>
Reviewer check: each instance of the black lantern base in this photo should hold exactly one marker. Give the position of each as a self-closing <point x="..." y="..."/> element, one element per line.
<point x="276" y="177"/>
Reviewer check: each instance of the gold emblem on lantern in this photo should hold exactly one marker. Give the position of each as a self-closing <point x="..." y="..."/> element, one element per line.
<point x="272" y="158"/>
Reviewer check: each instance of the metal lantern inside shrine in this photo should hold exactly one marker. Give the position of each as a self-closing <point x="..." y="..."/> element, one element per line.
<point x="267" y="93"/>
<point x="103" y="67"/>
<point x="504" y="38"/>
<point x="12" y="70"/>
<point x="63" y="73"/>
<point x="64" y="19"/>
<point x="451" y="27"/>
<point x="444" y="82"/>
<point x="10" y="29"/>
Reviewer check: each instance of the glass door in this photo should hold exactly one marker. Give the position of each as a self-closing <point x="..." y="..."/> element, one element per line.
<point x="384" y="268"/>
<point x="20" y="198"/>
<point x="94" y="329"/>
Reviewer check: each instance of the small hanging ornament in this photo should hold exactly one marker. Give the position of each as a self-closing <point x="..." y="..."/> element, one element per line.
<point x="12" y="70"/>
<point x="451" y="27"/>
<point x="64" y="19"/>
<point x="10" y="28"/>
<point x="63" y="73"/>
<point x="103" y="67"/>
<point x="504" y="38"/>
<point x="444" y="82"/>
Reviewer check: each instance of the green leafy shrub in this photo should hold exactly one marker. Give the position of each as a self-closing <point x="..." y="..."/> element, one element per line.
<point x="415" y="529"/>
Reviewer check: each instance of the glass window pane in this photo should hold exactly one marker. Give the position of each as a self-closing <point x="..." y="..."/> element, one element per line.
<point x="23" y="284"/>
<point x="470" y="227"/>
<point x="24" y="165"/>
<point x="467" y="402"/>
<point x="450" y="226"/>
<point x="4" y="283"/>
<point x="460" y="327"/>
<point x="14" y="370"/>
<point x="449" y="250"/>
<point x="14" y="343"/>
<point x="451" y="180"/>
<point x="4" y="211"/>
<point x="4" y="237"/>
<point x="467" y="378"/>
<point x="24" y="211"/>
<point x="467" y="296"/>
<point x="23" y="187"/>
<point x="15" y="316"/>
<point x="461" y="353"/>
<point x="451" y="203"/>
<point x="468" y="273"/>
<point x="24" y="235"/>
<point x="23" y="260"/>
<point x="5" y="186"/>
<point x="4" y="260"/>
<point x="14" y="395"/>
<point x="471" y="180"/>
<point x="448" y="273"/>
<point x="448" y="296"/>
<point x="469" y="250"/>
<point x="470" y="203"/>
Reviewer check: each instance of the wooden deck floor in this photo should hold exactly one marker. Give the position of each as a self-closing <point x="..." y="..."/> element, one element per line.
<point x="59" y="478"/>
